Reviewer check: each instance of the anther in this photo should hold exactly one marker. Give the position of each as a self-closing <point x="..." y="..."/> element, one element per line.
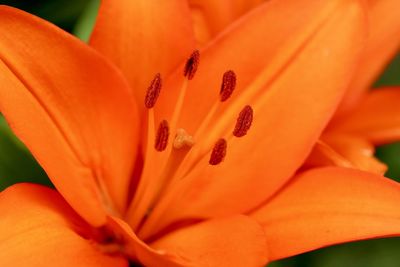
<point x="218" y="153"/>
<point x="228" y="85"/>
<point x="182" y="139"/>
<point x="243" y="122"/>
<point x="162" y="136"/>
<point x="191" y="65"/>
<point x="153" y="91"/>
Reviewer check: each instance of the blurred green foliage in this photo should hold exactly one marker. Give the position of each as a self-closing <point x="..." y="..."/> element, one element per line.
<point x="64" y="13"/>
<point x="16" y="163"/>
<point x="390" y="154"/>
<point x="84" y="25"/>
<point x="78" y="16"/>
<point x="391" y="76"/>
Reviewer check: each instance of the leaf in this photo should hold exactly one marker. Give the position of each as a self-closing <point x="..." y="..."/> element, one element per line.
<point x="85" y="23"/>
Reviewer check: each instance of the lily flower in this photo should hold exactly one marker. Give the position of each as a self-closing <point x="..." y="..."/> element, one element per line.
<point x="166" y="155"/>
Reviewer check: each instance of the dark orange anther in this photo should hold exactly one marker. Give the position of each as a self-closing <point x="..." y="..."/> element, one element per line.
<point x="191" y="65"/>
<point x="153" y="91"/>
<point x="228" y="85"/>
<point x="218" y="153"/>
<point x="243" y="122"/>
<point x="162" y="136"/>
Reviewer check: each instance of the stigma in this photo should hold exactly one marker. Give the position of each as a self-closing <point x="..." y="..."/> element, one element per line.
<point x="183" y="139"/>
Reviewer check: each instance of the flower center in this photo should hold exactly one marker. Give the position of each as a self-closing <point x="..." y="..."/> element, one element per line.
<point x="167" y="161"/>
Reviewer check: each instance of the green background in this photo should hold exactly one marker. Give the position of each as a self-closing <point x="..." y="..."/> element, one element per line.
<point x="77" y="16"/>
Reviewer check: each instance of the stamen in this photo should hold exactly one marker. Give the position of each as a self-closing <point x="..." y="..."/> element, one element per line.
<point x="183" y="139"/>
<point x="228" y="85"/>
<point x="153" y="91"/>
<point x="219" y="152"/>
<point x="191" y="65"/>
<point x="162" y="136"/>
<point x="243" y="122"/>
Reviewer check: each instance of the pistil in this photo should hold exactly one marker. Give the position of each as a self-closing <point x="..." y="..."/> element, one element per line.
<point x="183" y="139"/>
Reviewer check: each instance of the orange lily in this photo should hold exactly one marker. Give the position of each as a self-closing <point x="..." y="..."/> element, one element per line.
<point x="123" y="197"/>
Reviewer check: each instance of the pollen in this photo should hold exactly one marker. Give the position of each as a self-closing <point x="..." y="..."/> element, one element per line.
<point x="228" y="85"/>
<point x="243" y="122"/>
<point x="191" y="65"/>
<point x="219" y="152"/>
<point x="162" y="136"/>
<point x="153" y="91"/>
<point x="183" y="139"/>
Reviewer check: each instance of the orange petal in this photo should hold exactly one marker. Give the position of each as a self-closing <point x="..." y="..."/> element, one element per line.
<point x="327" y="206"/>
<point x="38" y="228"/>
<point x="143" y="38"/>
<point x="376" y="118"/>
<point x="383" y="44"/>
<point x="143" y="253"/>
<point x="345" y="151"/>
<point x="232" y="241"/>
<point x="211" y="17"/>
<point x="292" y="104"/>
<point x="72" y="110"/>
<point x="325" y="155"/>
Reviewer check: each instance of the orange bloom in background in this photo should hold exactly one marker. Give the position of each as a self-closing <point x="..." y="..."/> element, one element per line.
<point x="164" y="166"/>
